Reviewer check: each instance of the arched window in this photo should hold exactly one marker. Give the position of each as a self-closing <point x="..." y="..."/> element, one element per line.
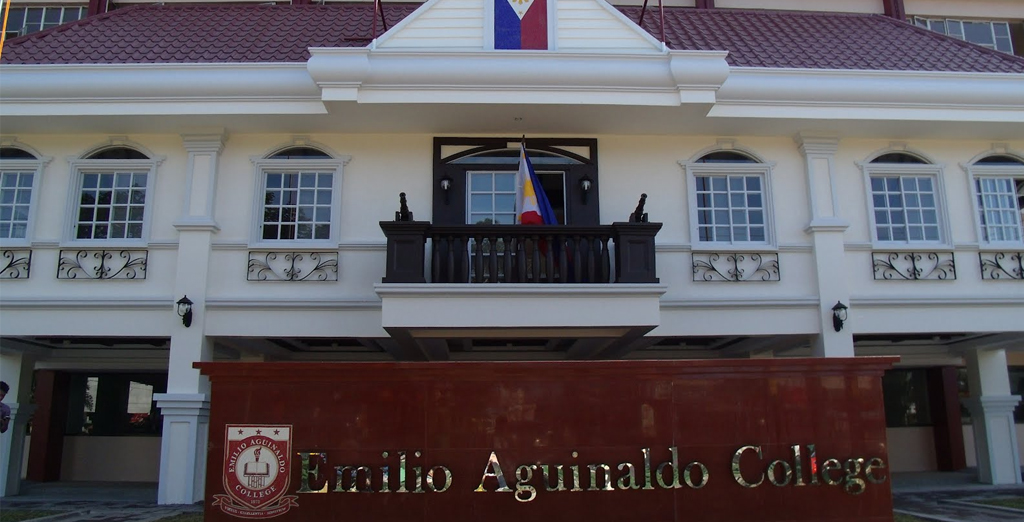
<point x="19" y="172"/>
<point x="729" y="200"/>
<point x="299" y="196"/>
<point x="998" y="183"/>
<point x="904" y="191"/>
<point x="112" y="194"/>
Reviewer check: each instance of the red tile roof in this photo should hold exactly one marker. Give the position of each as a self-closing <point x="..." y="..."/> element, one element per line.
<point x="819" y="40"/>
<point x="204" y="33"/>
<point x="233" y="33"/>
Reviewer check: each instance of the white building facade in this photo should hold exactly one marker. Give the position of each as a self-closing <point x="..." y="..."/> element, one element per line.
<point x="254" y="183"/>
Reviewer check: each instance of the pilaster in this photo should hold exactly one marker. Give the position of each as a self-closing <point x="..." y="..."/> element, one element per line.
<point x="991" y="407"/>
<point x="185" y="406"/>
<point x="183" y="446"/>
<point x="826" y="229"/>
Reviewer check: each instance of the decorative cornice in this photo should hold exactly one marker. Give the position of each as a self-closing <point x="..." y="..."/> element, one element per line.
<point x="870" y="95"/>
<point x="196" y="225"/>
<point x="812" y="144"/>
<point x="29" y="303"/>
<point x="518" y="290"/>
<point x="391" y="76"/>
<point x="158" y="89"/>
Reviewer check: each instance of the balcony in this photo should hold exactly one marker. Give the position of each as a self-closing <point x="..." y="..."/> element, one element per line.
<point x="444" y="282"/>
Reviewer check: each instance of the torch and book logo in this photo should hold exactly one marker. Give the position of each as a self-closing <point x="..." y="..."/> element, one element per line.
<point x="257" y="471"/>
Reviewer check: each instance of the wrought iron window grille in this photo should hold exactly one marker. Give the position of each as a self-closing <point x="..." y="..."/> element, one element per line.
<point x="913" y="266"/>
<point x="16" y="263"/>
<point x="102" y="264"/>
<point x="736" y="266"/>
<point x="1002" y="265"/>
<point x="292" y="266"/>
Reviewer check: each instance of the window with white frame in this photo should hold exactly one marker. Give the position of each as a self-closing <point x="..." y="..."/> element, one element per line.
<point x="990" y="34"/>
<point x="297" y="195"/>
<point x="729" y="199"/>
<point x="19" y="170"/>
<point x="31" y="19"/>
<point x="111" y="195"/>
<point x="998" y="182"/>
<point x="904" y="194"/>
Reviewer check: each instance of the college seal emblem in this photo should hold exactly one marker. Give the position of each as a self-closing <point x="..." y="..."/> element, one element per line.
<point x="256" y="471"/>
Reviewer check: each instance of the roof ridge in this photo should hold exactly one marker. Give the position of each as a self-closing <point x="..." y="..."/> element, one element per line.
<point x="946" y="38"/>
<point x="88" y="20"/>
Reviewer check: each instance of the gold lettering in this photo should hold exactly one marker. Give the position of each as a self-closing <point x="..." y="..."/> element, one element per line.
<point x="828" y="467"/>
<point x="432" y="483"/>
<point x="630" y="474"/>
<point x="354" y="473"/>
<point x="493" y="469"/>
<point x="870" y="468"/>
<point x="674" y="463"/>
<point x="384" y="478"/>
<point x="306" y="471"/>
<point x="853" y="484"/>
<point x="607" y="477"/>
<point x="687" y="475"/>
<point x="401" y="473"/>
<point x="798" y="469"/>
<point x="787" y="473"/>
<point x="814" y="465"/>
<point x="559" y="485"/>
<point x="575" y="474"/>
<point x="737" y="474"/>
<point x="524" y="491"/>
<point x="647" y="468"/>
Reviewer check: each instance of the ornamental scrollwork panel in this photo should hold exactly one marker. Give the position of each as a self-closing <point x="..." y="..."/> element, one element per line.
<point x="1002" y="265"/>
<point x="293" y="266"/>
<point x="736" y="266"/>
<point x="15" y="263"/>
<point x="102" y="264"/>
<point x="913" y="266"/>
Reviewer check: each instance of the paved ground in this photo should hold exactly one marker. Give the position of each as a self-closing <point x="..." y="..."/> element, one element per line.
<point x="935" y="497"/>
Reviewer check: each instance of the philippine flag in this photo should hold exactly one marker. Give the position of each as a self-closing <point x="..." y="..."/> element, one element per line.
<point x="520" y="24"/>
<point x="532" y="205"/>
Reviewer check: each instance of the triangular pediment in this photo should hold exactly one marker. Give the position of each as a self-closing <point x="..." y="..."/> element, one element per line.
<point x="570" y="26"/>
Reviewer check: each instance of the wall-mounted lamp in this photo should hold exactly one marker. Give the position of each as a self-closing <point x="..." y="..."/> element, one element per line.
<point x="839" y="315"/>
<point x="585" y="185"/>
<point x="446" y="185"/>
<point x="185" y="311"/>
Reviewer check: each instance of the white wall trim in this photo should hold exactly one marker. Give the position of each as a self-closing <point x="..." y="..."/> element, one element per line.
<point x="934" y="301"/>
<point x="291" y="304"/>
<point x="707" y="304"/>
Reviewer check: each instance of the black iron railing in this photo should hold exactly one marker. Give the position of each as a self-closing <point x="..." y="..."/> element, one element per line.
<point x="520" y="253"/>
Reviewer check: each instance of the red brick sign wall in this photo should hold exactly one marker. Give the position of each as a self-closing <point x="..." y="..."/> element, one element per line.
<point x="721" y="440"/>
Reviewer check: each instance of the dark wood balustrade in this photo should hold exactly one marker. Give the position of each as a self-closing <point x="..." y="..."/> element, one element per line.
<point x="520" y="253"/>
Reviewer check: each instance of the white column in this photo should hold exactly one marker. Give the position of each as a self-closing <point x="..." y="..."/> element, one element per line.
<point x="991" y="406"/>
<point x="185" y="406"/>
<point x="186" y="430"/>
<point x="16" y="371"/>
<point x="827" y="230"/>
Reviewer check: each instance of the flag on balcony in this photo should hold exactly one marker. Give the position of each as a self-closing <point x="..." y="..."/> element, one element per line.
<point x="532" y="205"/>
<point x="520" y="24"/>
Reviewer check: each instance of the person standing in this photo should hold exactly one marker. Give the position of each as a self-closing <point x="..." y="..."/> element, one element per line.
<point x="5" y="410"/>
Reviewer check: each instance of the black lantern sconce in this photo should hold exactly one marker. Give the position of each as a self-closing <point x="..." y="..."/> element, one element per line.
<point x="185" y="311"/>
<point x="446" y="187"/>
<point x="839" y="315"/>
<point x="585" y="185"/>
